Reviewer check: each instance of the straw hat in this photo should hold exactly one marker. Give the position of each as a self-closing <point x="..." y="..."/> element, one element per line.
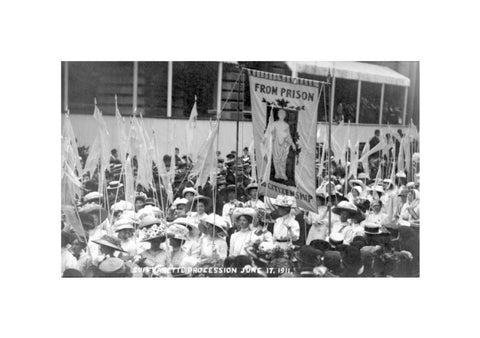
<point x="155" y="231"/>
<point x="112" y="265"/>
<point x="251" y="186"/>
<point x="189" y="189"/>
<point x="94" y="195"/>
<point x="123" y="223"/>
<point x="336" y="238"/>
<point x="353" y="183"/>
<point x="372" y="228"/>
<point x="177" y="231"/>
<point x="122" y="206"/>
<point x="114" y="185"/>
<point x="217" y="221"/>
<point x="345" y="206"/>
<point x="401" y="174"/>
<point x="200" y="198"/>
<point x="94" y="209"/>
<point x="149" y="220"/>
<point x="250" y="212"/>
<point x="110" y="242"/>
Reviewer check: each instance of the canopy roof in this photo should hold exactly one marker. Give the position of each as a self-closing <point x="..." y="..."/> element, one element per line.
<point x="350" y="70"/>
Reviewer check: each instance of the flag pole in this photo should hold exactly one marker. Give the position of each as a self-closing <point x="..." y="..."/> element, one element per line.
<point x="329" y="204"/>
<point x="237" y="130"/>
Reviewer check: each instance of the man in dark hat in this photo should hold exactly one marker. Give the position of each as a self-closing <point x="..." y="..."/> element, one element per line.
<point x="230" y="169"/>
<point x="307" y="259"/>
<point x="352" y="262"/>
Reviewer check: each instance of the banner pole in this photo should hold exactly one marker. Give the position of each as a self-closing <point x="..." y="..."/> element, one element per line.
<point x="237" y="131"/>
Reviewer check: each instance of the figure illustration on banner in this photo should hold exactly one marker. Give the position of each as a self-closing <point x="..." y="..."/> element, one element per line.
<point x="281" y="129"/>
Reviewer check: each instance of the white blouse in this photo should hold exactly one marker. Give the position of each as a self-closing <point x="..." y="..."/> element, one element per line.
<point x="239" y="241"/>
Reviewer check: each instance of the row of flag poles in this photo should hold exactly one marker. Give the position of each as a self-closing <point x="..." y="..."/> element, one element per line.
<point x="133" y="140"/>
<point x="344" y="151"/>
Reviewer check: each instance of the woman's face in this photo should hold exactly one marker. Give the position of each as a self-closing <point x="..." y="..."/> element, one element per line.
<point x="253" y="193"/>
<point x="189" y="196"/>
<point x="175" y="243"/>
<point x="200" y="207"/>
<point x="355" y="193"/>
<point x="77" y="246"/>
<point x="106" y="250"/>
<point x="344" y="216"/>
<point x="281" y="114"/>
<point x="125" y="234"/>
<point x="138" y="205"/>
<point x="243" y="222"/>
<point x="410" y="196"/>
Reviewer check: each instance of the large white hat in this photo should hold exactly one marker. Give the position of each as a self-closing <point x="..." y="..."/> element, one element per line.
<point x="177" y="231"/>
<point x="186" y="222"/>
<point x="123" y="223"/>
<point x="179" y="201"/>
<point x="285" y="201"/>
<point x="345" y="206"/>
<point x="237" y="212"/>
<point x="92" y="196"/>
<point x="122" y="206"/>
<point x="216" y="220"/>
<point x="189" y="189"/>
<point x="149" y="210"/>
<point x="149" y="220"/>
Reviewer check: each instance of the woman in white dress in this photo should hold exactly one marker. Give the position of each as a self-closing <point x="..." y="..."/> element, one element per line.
<point x="213" y="243"/>
<point x="282" y="141"/>
<point x="241" y="239"/>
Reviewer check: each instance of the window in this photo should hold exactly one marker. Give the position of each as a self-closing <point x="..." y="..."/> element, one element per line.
<point x="393" y="101"/>
<point x="100" y="80"/>
<point x="370" y="102"/>
<point x="240" y="94"/>
<point x="345" y="100"/>
<point x="192" y="79"/>
<point x="152" y="88"/>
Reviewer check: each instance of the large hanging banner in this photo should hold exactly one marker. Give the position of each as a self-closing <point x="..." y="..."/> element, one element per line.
<point x="284" y="116"/>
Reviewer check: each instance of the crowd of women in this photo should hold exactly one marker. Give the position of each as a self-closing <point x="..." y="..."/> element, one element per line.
<point x="362" y="228"/>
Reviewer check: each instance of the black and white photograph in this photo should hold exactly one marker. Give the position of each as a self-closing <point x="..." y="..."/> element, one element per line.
<point x="223" y="169"/>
